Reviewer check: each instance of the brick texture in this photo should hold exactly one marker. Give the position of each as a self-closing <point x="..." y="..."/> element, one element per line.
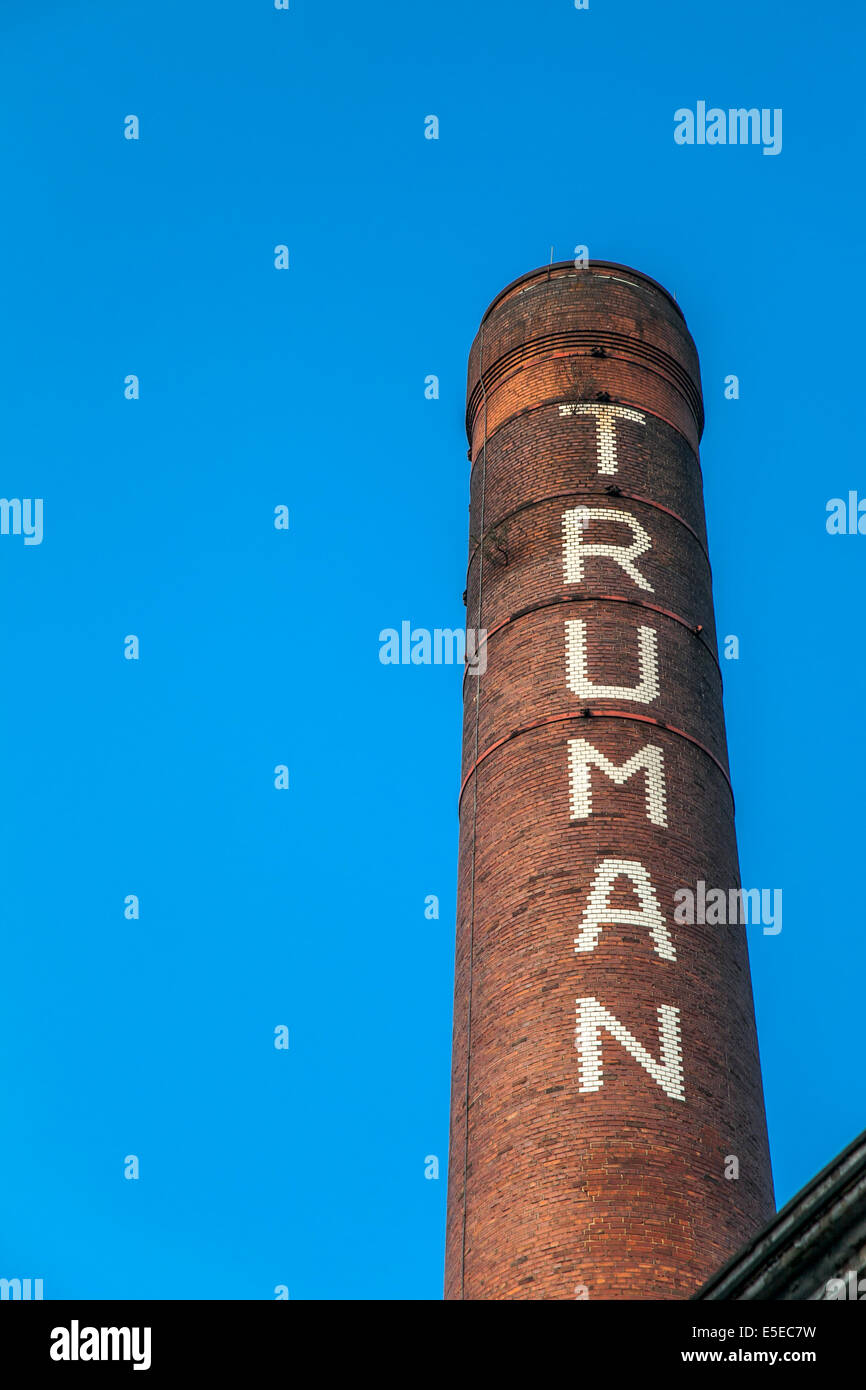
<point x="555" y="1188"/>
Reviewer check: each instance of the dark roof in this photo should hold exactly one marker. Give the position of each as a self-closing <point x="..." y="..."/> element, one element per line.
<point x="818" y="1236"/>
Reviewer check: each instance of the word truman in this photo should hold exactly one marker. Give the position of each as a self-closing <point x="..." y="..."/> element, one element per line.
<point x="594" y="1017"/>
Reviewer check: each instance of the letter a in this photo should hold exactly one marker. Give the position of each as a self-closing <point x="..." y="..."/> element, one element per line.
<point x="599" y="910"/>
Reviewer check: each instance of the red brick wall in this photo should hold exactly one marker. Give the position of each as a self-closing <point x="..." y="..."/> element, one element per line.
<point x="621" y="1189"/>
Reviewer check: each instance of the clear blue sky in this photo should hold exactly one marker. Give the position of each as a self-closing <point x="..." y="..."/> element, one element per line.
<point x="259" y="647"/>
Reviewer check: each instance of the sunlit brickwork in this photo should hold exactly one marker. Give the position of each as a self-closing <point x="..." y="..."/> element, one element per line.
<point x="605" y="1061"/>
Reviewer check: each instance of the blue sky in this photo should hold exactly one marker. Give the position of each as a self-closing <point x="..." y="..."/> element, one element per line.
<point x="306" y="388"/>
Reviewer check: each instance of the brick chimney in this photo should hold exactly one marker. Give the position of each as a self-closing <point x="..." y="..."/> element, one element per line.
<point x="608" y="1136"/>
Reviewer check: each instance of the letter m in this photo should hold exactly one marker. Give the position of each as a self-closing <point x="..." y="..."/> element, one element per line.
<point x="744" y="125"/>
<point x="667" y="1072"/>
<point x="10" y="1288"/>
<point x="649" y="760"/>
<point x="114" y="1343"/>
<point x="449" y="646"/>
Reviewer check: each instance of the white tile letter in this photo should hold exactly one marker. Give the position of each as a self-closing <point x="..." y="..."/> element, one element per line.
<point x="599" y="910"/>
<point x="650" y="759"/>
<point x="605" y="428"/>
<point x="579" y="683"/>
<point x="592" y="1017"/>
<point x="574" y="524"/>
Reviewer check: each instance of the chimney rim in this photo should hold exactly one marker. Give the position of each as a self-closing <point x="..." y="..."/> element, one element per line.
<point x="544" y="272"/>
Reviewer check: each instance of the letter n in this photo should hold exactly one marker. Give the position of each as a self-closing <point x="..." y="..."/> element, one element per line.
<point x="667" y="1072"/>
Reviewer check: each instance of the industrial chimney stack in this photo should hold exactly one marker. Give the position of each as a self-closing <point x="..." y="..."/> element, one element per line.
<point x="608" y="1137"/>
